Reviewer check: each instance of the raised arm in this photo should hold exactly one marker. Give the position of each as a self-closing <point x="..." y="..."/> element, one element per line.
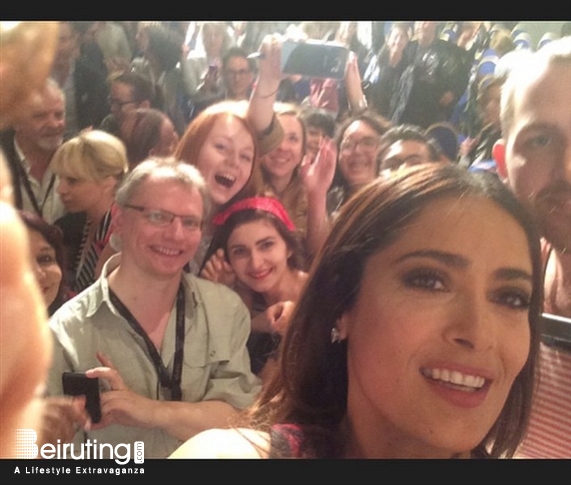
<point x="355" y="96"/>
<point x="317" y="177"/>
<point x="261" y="105"/>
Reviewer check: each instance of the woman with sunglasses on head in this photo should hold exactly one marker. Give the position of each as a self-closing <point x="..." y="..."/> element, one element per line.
<point x="416" y="334"/>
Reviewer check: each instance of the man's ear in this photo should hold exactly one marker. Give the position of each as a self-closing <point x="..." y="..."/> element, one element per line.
<point x="118" y="220"/>
<point x="499" y="154"/>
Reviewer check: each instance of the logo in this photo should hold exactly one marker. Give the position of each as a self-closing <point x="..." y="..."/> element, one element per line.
<point x="26" y="448"/>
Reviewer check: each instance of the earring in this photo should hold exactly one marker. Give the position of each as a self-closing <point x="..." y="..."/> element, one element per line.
<point x="335" y="336"/>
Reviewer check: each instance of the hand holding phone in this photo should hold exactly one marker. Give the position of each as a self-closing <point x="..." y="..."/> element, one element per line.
<point x="78" y="384"/>
<point x="310" y="58"/>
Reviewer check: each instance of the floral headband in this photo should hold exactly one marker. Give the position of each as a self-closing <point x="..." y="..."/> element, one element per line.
<point x="267" y="204"/>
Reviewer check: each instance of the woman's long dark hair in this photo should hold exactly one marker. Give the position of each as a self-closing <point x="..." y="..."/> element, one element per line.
<point x="310" y="387"/>
<point x="54" y="237"/>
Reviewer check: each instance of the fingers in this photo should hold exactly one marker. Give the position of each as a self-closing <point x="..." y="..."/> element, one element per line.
<point x="107" y="372"/>
<point x="106" y="361"/>
<point x="217" y="269"/>
<point x="62" y="417"/>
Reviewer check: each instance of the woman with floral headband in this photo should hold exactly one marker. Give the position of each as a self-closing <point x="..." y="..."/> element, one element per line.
<point x="256" y="241"/>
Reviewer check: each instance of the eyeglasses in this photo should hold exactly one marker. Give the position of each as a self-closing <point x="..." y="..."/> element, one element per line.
<point x="117" y="102"/>
<point x="240" y="73"/>
<point x="367" y="143"/>
<point x="161" y="218"/>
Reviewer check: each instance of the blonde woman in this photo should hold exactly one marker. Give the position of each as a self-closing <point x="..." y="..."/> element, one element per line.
<point x="89" y="167"/>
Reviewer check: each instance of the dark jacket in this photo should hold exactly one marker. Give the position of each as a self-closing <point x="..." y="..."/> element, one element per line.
<point x="91" y="94"/>
<point x="438" y="69"/>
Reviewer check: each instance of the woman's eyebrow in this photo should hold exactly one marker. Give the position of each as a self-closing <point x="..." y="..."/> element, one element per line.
<point x="513" y="274"/>
<point x="455" y="260"/>
<point x="449" y="259"/>
<point x="265" y="239"/>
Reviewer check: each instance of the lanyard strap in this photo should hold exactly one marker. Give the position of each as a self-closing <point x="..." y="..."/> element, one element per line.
<point x="168" y="382"/>
<point x="24" y="178"/>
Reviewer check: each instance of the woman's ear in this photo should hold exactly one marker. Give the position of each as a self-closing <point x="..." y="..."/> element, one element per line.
<point x="110" y="184"/>
<point x="343" y="324"/>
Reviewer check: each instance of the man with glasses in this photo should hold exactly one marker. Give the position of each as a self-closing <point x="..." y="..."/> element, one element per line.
<point x="128" y="91"/>
<point x="237" y="81"/>
<point x="169" y="347"/>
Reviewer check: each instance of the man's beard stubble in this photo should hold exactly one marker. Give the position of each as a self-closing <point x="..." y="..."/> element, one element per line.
<point x="552" y="210"/>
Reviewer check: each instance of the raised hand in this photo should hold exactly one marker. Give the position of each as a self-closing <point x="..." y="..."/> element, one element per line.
<point x="317" y="175"/>
<point x="120" y="405"/>
<point x="218" y="270"/>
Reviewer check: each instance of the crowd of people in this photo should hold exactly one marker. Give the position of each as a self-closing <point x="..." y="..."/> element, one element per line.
<point x="255" y="264"/>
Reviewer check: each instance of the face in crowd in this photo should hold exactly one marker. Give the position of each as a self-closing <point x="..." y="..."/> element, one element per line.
<point x="159" y="234"/>
<point x="42" y="126"/>
<point x="444" y="314"/>
<point x="358" y="153"/>
<point x="238" y="77"/>
<point x="535" y="153"/>
<point x="259" y="255"/>
<point x="281" y="162"/>
<point x="226" y="159"/>
<point x="46" y="268"/>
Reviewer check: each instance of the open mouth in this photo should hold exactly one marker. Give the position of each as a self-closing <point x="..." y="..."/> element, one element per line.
<point x="455" y="380"/>
<point x="226" y="180"/>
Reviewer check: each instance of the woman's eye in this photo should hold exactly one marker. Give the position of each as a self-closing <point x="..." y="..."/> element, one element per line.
<point x="516" y="299"/>
<point x="267" y="245"/>
<point x="426" y="279"/>
<point x="46" y="259"/>
<point x="246" y="158"/>
<point x="238" y="252"/>
<point x="293" y="139"/>
<point x="540" y="141"/>
<point x="220" y="146"/>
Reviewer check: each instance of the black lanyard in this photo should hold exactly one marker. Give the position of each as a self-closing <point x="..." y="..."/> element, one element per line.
<point x="24" y="178"/>
<point x="168" y="382"/>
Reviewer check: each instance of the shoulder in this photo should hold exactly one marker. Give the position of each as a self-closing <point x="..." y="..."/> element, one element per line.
<point x="75" y="313"/>
<point x="209" y="288"/>
<point x="225" y="443"/>
<point x="211" y="294"/>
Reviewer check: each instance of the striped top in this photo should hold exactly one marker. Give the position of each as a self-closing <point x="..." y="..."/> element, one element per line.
<point x="549" y="432"/>
<point x="87" y="257"/>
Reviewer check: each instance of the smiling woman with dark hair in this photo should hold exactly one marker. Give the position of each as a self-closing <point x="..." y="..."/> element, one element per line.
<point x="255" y="242"/>
<point x="416" y="335"/>
<point x="46" y="246"/>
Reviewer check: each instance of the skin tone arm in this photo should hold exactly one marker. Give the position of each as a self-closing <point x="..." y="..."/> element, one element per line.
<point x="355" y="95"/>
<point x="181" y="420"/>
<point x="261" y="105"/>
<point x="317" y="177"/>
